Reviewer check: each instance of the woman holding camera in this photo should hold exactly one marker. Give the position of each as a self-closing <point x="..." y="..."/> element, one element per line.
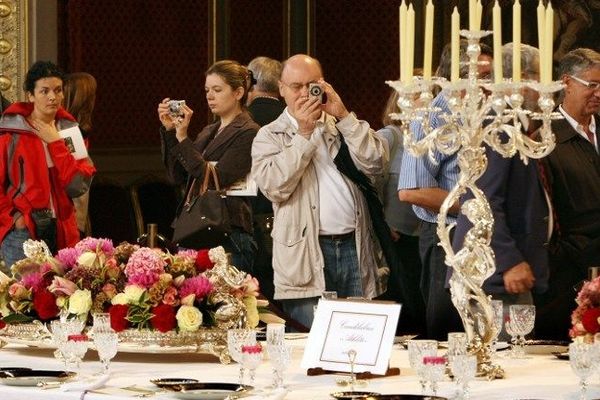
<point x="39" y="176"/>
<point x="224" y="144"/>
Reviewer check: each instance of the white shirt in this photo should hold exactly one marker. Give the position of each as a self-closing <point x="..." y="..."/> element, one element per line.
<point x="579" y="128"/>
<point x="336" y="204"/>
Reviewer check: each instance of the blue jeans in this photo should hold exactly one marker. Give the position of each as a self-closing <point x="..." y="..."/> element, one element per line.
<point x="302" y="310"/>
<point x="242" y="247"/>
<point x="342" y="272"/>
<point x="12" y="246"/>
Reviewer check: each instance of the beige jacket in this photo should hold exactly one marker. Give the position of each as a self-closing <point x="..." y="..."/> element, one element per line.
<point x="283" y="169"/>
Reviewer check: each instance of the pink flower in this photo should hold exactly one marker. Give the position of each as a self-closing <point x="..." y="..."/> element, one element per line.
<point x="18" y="292"/>
<point x="68" y="257"/>
<point x="62" y="285"/>
<point x="144" y="267"/>
<point x="112" y="268"/>
<point x="199" y="286"/>
<point x="109" y="290"/>
<point x="92" y="244"/>
<point x="188" y="253"/>
<point x="170" y="296"/>
<point x="249" y="287"/>
<point x="33" y="281"/>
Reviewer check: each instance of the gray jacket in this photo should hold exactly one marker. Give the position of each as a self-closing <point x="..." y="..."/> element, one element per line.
<point x="283" y="169"/>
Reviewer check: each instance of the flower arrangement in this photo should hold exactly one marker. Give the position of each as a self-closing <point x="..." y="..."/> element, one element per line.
<point x="141" y="287"/>
<point x="586" y="317"/>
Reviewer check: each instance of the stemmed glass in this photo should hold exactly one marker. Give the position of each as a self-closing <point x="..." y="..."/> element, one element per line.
<point x="434" y="368"/>
<point x="75" y="349"/>
<point x="106" y="343"/>
<point x="464" y="369"/>
<point x="522" y="320"/>
<point x="582" y="360"/>
<point x="275" y="333"/>
<point x="457" y="345"/>
<point x="236" y="338"/>
<point x="498" y="314"/>
<point x="252" y="356"/>
<point x="61" y="330"/>
<point x="279" y="356"/>
<point x="417" y="349"/>
<point x="508" y="326"/>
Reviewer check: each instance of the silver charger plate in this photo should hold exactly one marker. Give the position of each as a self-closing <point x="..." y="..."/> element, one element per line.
<point x="353" y="395"/>
<point x="34" y="377"/>
<point x="167" y="383"/>
<point x="209" y="390"/>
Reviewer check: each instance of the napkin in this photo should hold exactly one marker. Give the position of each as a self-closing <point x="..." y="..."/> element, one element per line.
<point x="86" y="383"/>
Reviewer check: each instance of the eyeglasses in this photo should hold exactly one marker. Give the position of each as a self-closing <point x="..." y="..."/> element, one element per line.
<point x="296" y="87"/>
<point x="590" y="85"/>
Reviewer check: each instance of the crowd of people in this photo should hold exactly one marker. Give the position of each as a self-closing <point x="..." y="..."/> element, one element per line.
<point x="338" y="202"/>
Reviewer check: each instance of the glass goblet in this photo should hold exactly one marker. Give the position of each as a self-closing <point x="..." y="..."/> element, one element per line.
<point x="279" y="356"/>
<point x="252" y="356"/>
<point x="275" y="333"/>
<point x="236" y="338"/>
<point x="457" y="344"/>
<point x="75" y="349"/>
<point x="106" y="344"/>
<point x="522" y="319"/>
<point x="582" y="360"/>
<point x="464" y="369"/>
<point x="434" y="369"/>
<point x="61" y="330"/>
<point x="101" y="322"/>
<point x="509" y="327"/>
<point x="498" y="318"/>
<point x="417" y="349"/>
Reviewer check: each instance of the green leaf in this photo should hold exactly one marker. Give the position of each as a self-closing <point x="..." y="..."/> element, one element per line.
<point x="17" y="318"/>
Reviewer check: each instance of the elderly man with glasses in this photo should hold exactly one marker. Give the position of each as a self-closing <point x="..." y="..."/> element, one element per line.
<point x="572" y="173"/>
<point x="309" y="162"/>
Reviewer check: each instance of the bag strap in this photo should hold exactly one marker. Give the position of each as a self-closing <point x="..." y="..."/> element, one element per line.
<point x="211" y="170"/>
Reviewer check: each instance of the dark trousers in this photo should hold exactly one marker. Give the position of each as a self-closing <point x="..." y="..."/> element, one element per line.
<point x="441" y="315"/>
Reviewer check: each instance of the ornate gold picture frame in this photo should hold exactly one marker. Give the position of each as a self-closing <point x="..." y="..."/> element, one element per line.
<point x="13" y="47"/>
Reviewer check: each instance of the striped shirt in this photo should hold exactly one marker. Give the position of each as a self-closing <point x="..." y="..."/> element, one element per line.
<point x="420" y="172"/>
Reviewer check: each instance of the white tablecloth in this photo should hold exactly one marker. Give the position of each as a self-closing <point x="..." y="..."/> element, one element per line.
<point x="538" y="377"/>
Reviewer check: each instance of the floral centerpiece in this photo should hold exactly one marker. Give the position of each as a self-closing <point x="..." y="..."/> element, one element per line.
<point x="142" y="288"/>
<point x="586" y="317"/>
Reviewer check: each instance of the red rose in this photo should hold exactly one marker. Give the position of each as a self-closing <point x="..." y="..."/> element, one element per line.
<point x="2" y="323"/>
<point x="163" y="318"/>
<point x="44" y="303"/>
<point x="118" y="317"/>
<point x="589" y="320"/>
<point x="203" y="262"/>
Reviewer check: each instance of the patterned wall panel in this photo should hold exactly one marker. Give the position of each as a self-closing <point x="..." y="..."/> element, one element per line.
<point x="357" y="44"/>
<point x="140" y="52"/>
<point x="256" y="29"/>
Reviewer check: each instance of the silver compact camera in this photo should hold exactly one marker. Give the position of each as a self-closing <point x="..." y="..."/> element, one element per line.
<point x="315" y="90"/>
<point x="175" y="107"/>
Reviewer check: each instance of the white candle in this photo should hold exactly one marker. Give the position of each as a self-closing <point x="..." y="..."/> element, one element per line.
<point x="541" y="19"/>
<point x="455" y="46"/>
<point x="497" y="20"/>
<point x="472" y="14"/>
<point x="478" y="12"/>
<point x="402" y="39"/>
<point x="516" y="56"/>
<point x="428" y="47"/>
<point x="549" y="41"/>
<point x="410" y="43"/>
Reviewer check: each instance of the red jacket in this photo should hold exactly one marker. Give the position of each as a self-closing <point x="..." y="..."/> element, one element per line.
<point x="26" y="182"/>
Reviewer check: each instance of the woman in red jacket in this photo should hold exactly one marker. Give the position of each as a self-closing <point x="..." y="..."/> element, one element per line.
<point x="38" y="174"/>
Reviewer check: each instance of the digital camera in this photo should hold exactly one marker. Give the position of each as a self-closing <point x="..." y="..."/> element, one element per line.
<point x="175" y="107"/>
<point x="315" y="90"/>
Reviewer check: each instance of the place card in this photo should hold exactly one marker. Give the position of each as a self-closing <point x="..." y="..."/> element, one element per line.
<point x="367" y="327"/>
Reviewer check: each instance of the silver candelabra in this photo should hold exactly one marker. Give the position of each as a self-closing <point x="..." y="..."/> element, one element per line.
<point x="481" y="113"/>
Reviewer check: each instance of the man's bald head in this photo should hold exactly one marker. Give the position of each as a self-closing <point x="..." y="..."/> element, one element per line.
<point x="299" y="71"/>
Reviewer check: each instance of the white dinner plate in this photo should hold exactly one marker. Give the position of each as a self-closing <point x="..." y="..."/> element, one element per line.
<point x="34" y="377"/>
<point x="210" y="391"/>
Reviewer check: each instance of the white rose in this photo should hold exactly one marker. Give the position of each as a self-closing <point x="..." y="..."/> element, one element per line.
<point x="188" y="318"/>
<point x="87" y="259"/>
<point x="120" y="298"/>
<point x="80" y="302"/>
<point x="133" y="293"/>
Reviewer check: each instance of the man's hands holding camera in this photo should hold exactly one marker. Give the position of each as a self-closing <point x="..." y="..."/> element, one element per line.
<point x="309" y="108"/>
<point x="175" y="115"/>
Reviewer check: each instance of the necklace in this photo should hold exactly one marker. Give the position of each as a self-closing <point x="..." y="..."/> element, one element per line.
<point x="266" y="97"/>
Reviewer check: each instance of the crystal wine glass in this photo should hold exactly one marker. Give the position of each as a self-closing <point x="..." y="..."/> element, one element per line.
<point x="434" y="368"/>
<point x="508" y="326"/>
<point x="582" y="360"/>
<point x="279" y="356"/>
<point x="275" y="333"/>
<point x="417" y="349"/>
<point x="522" y="319"/>
<point x="75" y="349"/>
<point x="106" y="343"/>
<point x="236" y="338"/>
<point x="252" y="356"/>
<point x="60" y="330"/>
<point x="101" y="322"/>
<point x="457" y="344"/>
<point x="498" y="318"/>
<point x="464" y="369"/>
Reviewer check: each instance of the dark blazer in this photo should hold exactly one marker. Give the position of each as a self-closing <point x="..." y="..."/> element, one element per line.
<point x="573" y="174"/>
<point x="265" y="110"/>
<point x="520" y="211"/>
<point x="230" y="148"/>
